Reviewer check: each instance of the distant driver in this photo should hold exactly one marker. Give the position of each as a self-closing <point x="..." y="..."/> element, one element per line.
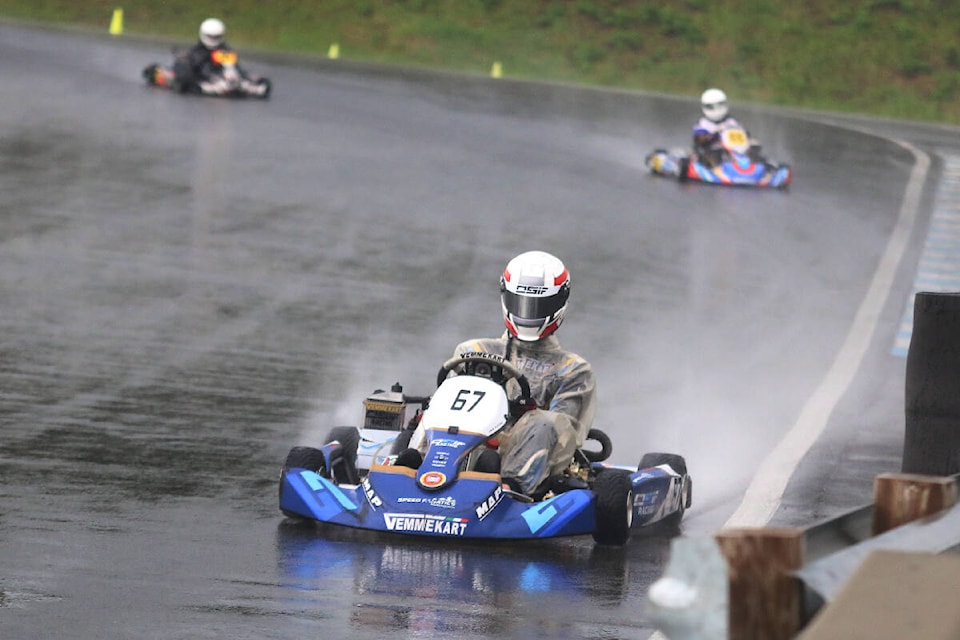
<point x="706" y="132"/>
<point x="201" y="68"/>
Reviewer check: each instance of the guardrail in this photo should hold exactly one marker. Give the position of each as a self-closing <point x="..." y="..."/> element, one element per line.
<point x="771" y="583"/>
<point x="870" y="573"/>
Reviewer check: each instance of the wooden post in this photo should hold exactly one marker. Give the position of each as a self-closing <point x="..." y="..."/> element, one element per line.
<point x="899" y="498"/>
<point x="765" y="599"/>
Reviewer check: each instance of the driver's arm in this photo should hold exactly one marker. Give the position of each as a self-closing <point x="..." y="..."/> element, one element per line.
<point x="576" y="396"/>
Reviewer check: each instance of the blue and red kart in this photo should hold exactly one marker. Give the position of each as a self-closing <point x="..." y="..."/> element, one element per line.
<point x="738" y="161"/>
<point x="370" y="478"/>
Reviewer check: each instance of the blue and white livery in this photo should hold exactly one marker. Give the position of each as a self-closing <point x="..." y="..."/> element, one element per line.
<point x="455" y="491"/>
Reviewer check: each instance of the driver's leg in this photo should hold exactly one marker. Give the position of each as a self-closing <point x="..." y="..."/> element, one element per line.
<point x="531" y="443"/>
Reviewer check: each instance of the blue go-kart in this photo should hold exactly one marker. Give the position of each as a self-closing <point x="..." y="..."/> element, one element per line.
<point x="371" y="478"/>
<point x="737" y="162"/>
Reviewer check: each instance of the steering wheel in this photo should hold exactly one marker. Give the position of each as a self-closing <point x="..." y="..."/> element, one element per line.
<point x="485" y="365"/>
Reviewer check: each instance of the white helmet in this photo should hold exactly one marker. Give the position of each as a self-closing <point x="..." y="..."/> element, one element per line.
<point x="533" y="293"/>
<point x="211" y="33"/>
<point x="714" y="104"/>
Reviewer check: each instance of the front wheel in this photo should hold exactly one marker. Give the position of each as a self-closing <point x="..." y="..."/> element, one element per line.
<point x="302" y="458"/>
<point x="306" y="458"/>
<point x="613" y="507"/>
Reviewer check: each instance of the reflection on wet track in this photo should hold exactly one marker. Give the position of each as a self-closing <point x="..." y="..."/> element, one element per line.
<point x="446" y="587"/>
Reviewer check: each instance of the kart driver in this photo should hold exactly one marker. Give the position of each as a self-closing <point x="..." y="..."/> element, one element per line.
<point x="706" y="132"/>
<point x="199" y="68"/>
<point x="540" y="444"/>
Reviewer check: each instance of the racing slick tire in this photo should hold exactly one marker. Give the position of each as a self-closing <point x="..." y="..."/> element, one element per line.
<point x="682" y="168"/>
<point x="344" y="464"/>
<point x="305" y="458"/>
<point x="302" y="458"/>
<point x="613" y="507"/>
<point x="678" y="464"/>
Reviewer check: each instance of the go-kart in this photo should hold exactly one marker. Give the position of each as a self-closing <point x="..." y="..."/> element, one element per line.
<point x="229" y="81"/>
<point x="738" y="161"/>
<point x="370" y="478"/>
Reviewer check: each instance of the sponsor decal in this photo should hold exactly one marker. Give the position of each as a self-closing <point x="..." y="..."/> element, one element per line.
<point x="379" y="405"/>
<point x="371" y="495"/>
<point x="487" y="356"/>
<point x="446" y="502"/>
<point x="417" y="523"/>
<point x="433" y="479"/>
<point x="533" y="290"/>
<point x="646" y="498"/>
<point x="531" y="365"/>
<point x="646" y="503"/>
<point x="448" y="442"/>
<point x="487" y="505"/>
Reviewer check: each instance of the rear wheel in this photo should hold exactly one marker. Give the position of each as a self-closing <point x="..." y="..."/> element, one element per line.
<point x="613" y="507"/>
<point x="679" y="465"/>
<point x="344" y="462"/>
<point x="267" y="88"/>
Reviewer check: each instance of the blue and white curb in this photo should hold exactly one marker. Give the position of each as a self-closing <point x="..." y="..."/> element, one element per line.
<point x="939" y="267"/>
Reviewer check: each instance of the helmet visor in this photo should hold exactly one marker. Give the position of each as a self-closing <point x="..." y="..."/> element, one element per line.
<point x="715" y="111"/>
<point x="525" y="307"/>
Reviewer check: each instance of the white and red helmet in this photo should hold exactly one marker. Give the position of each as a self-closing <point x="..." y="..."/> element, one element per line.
<point x="533" y="293"/>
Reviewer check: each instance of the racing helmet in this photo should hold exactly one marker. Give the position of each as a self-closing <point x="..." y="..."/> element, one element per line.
<point x="212" y="32"/>
<point x="533" y="293"/>
<point x="714" y="104"/>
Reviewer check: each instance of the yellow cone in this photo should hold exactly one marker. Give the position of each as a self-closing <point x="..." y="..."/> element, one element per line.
<point x="496" y="71"/>
<point x="116" y="22"/>
<point x="334" y="51"/>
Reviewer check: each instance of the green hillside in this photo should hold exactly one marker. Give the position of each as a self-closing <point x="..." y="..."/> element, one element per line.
<point x="896" y="58"/>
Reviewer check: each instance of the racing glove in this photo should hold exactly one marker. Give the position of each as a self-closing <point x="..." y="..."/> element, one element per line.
<point x="520" y="406"/>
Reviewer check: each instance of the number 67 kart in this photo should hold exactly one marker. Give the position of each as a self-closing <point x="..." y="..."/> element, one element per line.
<point x="369" y="478"/>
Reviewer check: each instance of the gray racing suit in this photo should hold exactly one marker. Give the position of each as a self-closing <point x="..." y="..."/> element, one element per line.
<point x="542" y="441"/>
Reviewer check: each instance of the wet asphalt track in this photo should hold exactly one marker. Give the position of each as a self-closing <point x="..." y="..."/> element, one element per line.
<point x="189" y="287"/>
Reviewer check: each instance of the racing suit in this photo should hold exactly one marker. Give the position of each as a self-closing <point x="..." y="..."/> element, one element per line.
<point x="196" y="70"/>
<point x="542" y="441"/>
<point x="706" y="138"/>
